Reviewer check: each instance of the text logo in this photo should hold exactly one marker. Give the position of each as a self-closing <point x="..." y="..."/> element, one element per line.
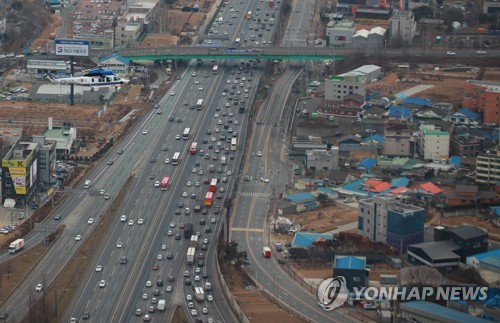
<point x="332" y="293"/>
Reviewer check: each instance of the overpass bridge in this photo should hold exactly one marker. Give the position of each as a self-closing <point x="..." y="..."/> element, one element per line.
<point x="217" y="52"/>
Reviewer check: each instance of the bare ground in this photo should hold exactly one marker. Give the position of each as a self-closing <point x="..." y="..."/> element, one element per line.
<point x="326" y="219"/>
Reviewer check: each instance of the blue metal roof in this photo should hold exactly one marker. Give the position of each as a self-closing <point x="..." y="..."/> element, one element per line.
<point x="419" y="101"/>
<point x="300" y="196"/>
<point x="350" y="262"/>
<point x="468" y="113"/>
<point x="491" y="253"/>
<point x="438" y="311"/>
<point x="399" y="111"/>
<point x="305" y="240"/>
<point x="495" y="210"/>
<point x="400" y="182"/>
<point x="117" y="57"/>
<point x="378" y="138"/>
<point x="455" y="161"/>
<point x="367" y="163"/>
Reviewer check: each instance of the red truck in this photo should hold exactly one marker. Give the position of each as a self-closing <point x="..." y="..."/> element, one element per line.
<point x="266" y="252"/>
<point x="271" y="4"/>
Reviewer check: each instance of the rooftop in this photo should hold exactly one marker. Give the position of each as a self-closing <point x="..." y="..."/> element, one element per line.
<point x="349" y="262"/>
<point x="438" y="250"/>
<point x="440" y="313"/>
<point x="468" y="232"/>
<point x="306" y="240"/>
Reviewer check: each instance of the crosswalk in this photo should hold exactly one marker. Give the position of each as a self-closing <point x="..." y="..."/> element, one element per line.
<point x="255" y="194"/>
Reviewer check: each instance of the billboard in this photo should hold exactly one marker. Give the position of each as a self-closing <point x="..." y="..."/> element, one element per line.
<point x="72" y="47"/>
<point x="18" y="175"/>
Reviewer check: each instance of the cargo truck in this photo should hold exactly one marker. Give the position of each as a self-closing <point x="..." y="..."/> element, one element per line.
<point x="199" y="294"/>
<point x="190" y="256"/>
<point x="161" y="305"/>
<point x="16" y="245"/>
<point x="211" y="168"/>
<point x="266" y="251"/>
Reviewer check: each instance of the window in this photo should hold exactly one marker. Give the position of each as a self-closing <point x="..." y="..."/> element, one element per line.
<point x="356" y="279"/>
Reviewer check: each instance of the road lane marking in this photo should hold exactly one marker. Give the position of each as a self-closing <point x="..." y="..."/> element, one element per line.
<point x="247" y="229"/>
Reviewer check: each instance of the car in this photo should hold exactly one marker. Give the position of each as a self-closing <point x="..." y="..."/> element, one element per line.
<point x="196" y="278"/>
<point x="170" y="255"/>
<point x="140" y="221"/>
<point x="168" y="289"/>
<point x="219" y="122"/>
<point x="210" y="298"/>
<point x="157" y="184"/>
<point x="184" y="194"/>
<point x="90" y="221"/>
<point x="481" y="52"/>
<point x="151" y="309"/>
<point x="110" y="162"/>
<point x="205" y="241"/>
<point x="200" y="88"/>
<point x="172" y="93"/>
<point x="167" y="161"/>
<point x="145" y="132"/>
<point x="193" y="196"/>
<point x="159" y="257"/>
<point x="219" y="170"/>
<point x="170" y="233"/>
<point x="204" y="310"/>
<point x="197" y="184"/>
<point x="177" y="236"/>
<point x="172" y="224"/>
<point x="38" y="287"/>
<point x="119" y="244"/>
<point x="144" y="296"/>
<point x="212" y="220"/>
<point x="259" y="154"/>
<point x="264" y="179"/>
<point x="123" y="218"/>
<point x="193" y="312"/>
<point x="102" y="283"/>
<point x="78" y="237"/>
<point x="107" y="196"/>
<point x="204" y="247"/>
<point x="146" y="318"/>
<point x="197" y="270"/>
<point x="156" y="267"/>
<point x="57" y="217"/>
<point x="208" y="230"/>
<point x="130" y="222"/>
<point x="235" y="122"/>
<point x="201" y="263"/>
<point x="98" y="268"/>
<point x="229" y="173"/>
<point x="450" y="53"/>
<point x="181" y="205"/>
<point x="187" y="211"/>
<point x="163" y="247"/>
<point x="190" y="304"/>
<point x="177" y="137"/>
<point x="85" y="316"/>
<point x="187" y="281"/>
<point x="120" y="151"/>
<point x="138" y="312"/>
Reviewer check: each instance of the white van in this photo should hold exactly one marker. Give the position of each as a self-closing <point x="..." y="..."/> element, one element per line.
<point x="223" y="160"/>
<point x="87" y="184"/>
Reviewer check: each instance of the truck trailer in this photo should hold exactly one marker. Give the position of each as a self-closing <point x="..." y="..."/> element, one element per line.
<point x="161" y="305"/>
<point x="199" y="294"/>
<point x="16" y="245"/>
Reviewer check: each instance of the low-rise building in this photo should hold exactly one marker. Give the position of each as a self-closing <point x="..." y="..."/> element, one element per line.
<point x="402" y="27"/>
<point x="339" y="34"/>
<point x="64" y="137"/>
<point x="46" y="158"/>
<point x="483" y="97"/>
<point x="116" y="63"/>
<point x="353" y="269"/>
<point x="434" y="143"/>
<point x="465" y="117"/>
<point x="468" y="196"/>
<point x="464" y="145"/>
<point x="322" y="159"/>
<point x="422" y="311"/>
<point x="338" y="87"/>
<point x="397" y="138"/>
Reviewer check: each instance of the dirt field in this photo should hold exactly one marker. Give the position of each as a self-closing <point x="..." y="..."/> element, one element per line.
<point x="326" y="219"/>
<point x="466" y="219"/>
<point x="255" y="304"/>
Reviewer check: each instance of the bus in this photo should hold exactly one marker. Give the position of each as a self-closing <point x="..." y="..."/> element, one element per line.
<point x="249" y="15"/>
<point x="193" y="149"/>
<point x="176" y="158"/>
<point x="199" y="104"/>
<point x="215" y="69"/>
<point x="209" y="198"/>
<point x="164" y="183"/>
<point x="185" y="134"/>
<point x="213" y="185"/>
<point x="233" y="144"/>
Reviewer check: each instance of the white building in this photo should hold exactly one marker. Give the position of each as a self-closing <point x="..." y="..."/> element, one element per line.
<point x="337" y="87"/>
<point x="370" y="72"/>
<point x="339" y="34"/>
<point x="40" y="67"/>
<point x="375" y="38"/>
<point x="402" y="26"/>
<point x="434" y="142"/>
<point x="63" y="136"/>
<point x="322" y="159"/>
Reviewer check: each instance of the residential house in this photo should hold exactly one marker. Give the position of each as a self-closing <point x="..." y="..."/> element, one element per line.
<point x="465" y="117"/>
<point x="434" y="143"/>
<point x="338" y="87"/>
<point x="464" y="145"/>
<point x="397" y="137"/>
<point x="349" y="143"/>
<point x="322" y="159"/>
<point x="468" y="196"/>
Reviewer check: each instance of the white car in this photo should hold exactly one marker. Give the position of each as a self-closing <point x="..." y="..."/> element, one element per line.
<point x="190" y="305"/>
<point x="39" y="288"/>
<point x="168" y="289"/>
<point x="204" y="310"/>
<point x="140" y="221"/>
<point x="219" y="122"/>
<point x="98" y="268"/>
<point x="264" y="179"/>
<point x="90" y="221"/>
<point x="210" y="298"/>
<point x="259" y="154"/>
<point x="123" y="218"/>
<point x="200" y="88"/>
<point x="228" y="81"/>
<point x="157" y="184"/>
<point x="177" y="137"/>
<point x="101" y="192"/>
<point x="144" y="296"/>
<point x="163" y="247"/>
<point x="184" y="194"/>
<point x="189" y="297"/>
<point x="130" y="222"/>
<point x="188" y="184"/>
<point x="213" y="220"/>
<point x="193" y="170"/>
<point x="102" y="283"/>
<point x="196" y="278"/>
<point x="172" y="224"/>
<point x="196" y="82"/>
<point x="145" y="132"/>
<point x="78" y="237"/>
<point x="450" y="53"/>
<point x="159" y="257"/>
<point x="481" y="52"/>
<point x="216" y="115"/>
<point x="172" y="93"/>
<point x="170" y="233"/>
<point x="197" y="184"/>
<point x="194" y="313"/>
<point x="149" y="284"/>
<point x="167" y="161"/>
<point x="119" y="244"/>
